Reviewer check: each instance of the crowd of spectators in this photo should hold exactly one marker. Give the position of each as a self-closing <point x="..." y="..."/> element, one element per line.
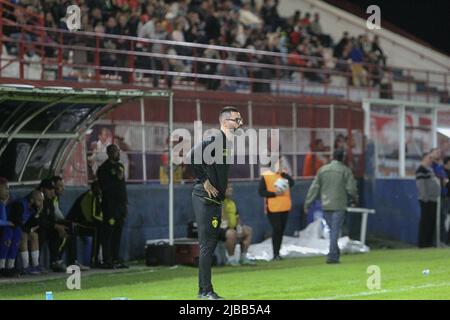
<point x="297" y="41"/>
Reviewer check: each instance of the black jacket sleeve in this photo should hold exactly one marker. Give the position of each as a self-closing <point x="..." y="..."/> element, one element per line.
<point x="198" y="168"/>
<point x="262" y="190"/>
<point x="289" y="178"/>
<point x="102" y="178"/>
<point x="113" y="188"/>
<point x="75" y="214"/>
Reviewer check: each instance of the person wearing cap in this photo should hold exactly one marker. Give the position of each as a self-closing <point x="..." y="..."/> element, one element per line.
<point x="336" y="188"/>
<point x="111" y="180"/>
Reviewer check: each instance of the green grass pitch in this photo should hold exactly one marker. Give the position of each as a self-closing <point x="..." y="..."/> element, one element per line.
<point x="301" y="278"/>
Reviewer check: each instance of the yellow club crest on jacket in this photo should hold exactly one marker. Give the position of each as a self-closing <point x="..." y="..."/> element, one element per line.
<point x="215" y="222"/>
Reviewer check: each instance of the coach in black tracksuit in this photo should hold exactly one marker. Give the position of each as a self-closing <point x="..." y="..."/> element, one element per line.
<point x="111" y="180"/>
<point x="209" y="192"/>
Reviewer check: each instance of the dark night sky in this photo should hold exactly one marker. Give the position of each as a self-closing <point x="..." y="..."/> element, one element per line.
<point x="428" y="20"/>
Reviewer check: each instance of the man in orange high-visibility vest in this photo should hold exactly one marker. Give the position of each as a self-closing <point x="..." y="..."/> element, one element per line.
<point x="278" y="204"/>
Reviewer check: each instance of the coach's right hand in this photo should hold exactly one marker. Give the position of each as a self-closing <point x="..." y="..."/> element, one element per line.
<point x="209" y="188"/>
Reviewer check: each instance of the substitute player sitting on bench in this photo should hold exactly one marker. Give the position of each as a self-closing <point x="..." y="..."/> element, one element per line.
<point x="233" y="232"/>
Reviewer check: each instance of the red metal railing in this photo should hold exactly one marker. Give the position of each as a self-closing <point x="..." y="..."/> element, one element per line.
<point x="10" y="11"/>
<point x="240" y="67"/>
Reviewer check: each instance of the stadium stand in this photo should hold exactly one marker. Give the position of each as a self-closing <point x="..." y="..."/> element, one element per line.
<point x="296" y="50"/>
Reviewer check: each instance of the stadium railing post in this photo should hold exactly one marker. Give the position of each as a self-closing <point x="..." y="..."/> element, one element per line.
<point x="60" y="57"/>
<point x="131" y="63"/>
<point x="97" y="59"/>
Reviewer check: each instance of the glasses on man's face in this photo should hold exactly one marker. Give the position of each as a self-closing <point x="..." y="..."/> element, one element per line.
<point x="239" y="121"/>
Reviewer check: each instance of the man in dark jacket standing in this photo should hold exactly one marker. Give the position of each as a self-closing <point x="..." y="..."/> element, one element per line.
<point x="111" y="179"/>
<point x="429" y="189"/>
<point x="209" y="192"/>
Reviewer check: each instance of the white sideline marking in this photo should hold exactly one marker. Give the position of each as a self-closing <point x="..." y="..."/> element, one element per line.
<point x="375" y="292"/>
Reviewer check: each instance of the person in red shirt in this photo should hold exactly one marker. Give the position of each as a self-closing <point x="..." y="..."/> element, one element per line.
<point x="314" y="161"/>
<point x="295" y="58"/>
<point x="305" y="22"/>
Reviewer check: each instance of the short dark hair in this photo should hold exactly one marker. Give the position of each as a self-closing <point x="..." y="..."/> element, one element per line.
<point x="229" y="109"/>
<point x="110" y="148"/>
<point x="55" y="179"/>
<point x="313" y="145"/>
<point x="446" y="159"/>
<point x="3" y="181"/>
<point x="47" y="184"/>
<point x="339" y="154"/>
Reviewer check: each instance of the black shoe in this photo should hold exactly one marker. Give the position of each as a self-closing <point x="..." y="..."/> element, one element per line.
<point x="97" y="265"/>
<point x="277" y="258"/>
<point x="120" y="266"/>
<point x="58" y="267"/>
<point x="10" y="273"/>
<point x="211" y="295"/>
<point x="333" y="262"/>
<point x="107" y="265"/>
